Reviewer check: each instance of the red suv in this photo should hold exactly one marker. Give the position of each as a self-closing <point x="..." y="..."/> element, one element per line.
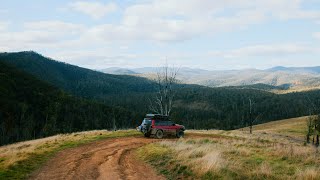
<point x="160" y="125"/>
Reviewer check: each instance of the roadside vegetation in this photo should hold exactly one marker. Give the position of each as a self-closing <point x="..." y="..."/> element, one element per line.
<point x="18" y="160"/>
<point x="163" y="159"/>
<point x="275" y="150"/>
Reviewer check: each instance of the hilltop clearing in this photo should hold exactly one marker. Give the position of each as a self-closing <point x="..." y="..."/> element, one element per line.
<point x="275" y="150"/>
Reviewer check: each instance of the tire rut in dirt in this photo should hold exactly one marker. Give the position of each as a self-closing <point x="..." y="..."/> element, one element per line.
<point x="106" y="159"/>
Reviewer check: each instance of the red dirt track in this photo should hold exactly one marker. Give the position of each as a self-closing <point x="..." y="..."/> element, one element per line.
<point x="106" y="159"/>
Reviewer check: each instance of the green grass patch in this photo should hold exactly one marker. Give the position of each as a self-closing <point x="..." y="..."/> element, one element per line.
<point x="263" y="141"/>
<point x="294" y="131"/>
<point x="162" y="159"/>
<point x="217" y="136"/>
<point x="22" y="169"/>
<point x="2" y="159"/>
<point x="198" y="154"/>
<point x="191" y="141"/>
<point x="207" y="141"/>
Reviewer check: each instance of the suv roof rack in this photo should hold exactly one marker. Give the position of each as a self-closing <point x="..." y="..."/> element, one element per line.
<point x="158" y="117"/>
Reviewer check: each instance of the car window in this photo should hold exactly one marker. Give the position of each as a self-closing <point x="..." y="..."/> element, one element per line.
<point x="163" y="123"/>
<point x="146" y="121"/>
<point x="169" y="123"/>
<point x="158" y="123"/>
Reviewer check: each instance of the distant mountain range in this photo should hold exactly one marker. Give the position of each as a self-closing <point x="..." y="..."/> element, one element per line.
<point x="312" y="70"/>
<point x="291" y="77"/>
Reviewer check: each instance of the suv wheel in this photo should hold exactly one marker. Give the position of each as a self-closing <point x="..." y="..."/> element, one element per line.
<point x="146" y="134"/>
<point x="159" y="134"/>
<point x="180" y="134"/>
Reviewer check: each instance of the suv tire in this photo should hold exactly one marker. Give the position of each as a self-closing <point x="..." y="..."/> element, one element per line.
<point x="146" y="134"/>
<point x="159" y="134"/>
<point x="180" y="134"/>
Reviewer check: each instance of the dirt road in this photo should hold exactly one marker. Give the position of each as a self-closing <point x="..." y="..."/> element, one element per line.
<point x="107" y="159"/>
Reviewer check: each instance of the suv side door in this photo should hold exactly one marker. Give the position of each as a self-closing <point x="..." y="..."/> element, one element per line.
<point x="162" y="125"/>
<point x="171" y="127"/>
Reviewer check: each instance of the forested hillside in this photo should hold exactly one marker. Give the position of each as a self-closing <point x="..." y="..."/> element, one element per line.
<point x="79" y="81"/>
<point x="228" y="108"/>
<point x="30" y="108"/>
<point x="195" y="106"/>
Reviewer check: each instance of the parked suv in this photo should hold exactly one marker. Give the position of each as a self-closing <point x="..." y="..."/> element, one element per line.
<point x="159" y="125"/>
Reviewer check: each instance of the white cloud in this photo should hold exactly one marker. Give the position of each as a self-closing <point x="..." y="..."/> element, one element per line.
<point x="41" y="34"/>
<point x="4" y="26"/>
<point x="99" y="58"/>
<point x="53" y="26"/>
<point x="174" y="20"/>
<point x="316" y="35"/>
<point x="156" y="21"/>
<point x="96" y="10"/>
<point x="266" y="50"/>
<point x="164" y="20"/>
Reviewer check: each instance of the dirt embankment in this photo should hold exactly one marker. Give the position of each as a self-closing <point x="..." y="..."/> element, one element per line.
<point x="108" y="159"/>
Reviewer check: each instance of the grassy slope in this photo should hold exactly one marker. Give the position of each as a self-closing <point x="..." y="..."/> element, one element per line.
<point x="276" y="150"/>
<point x="295" y="127"/>
<point x="18" y="160"/>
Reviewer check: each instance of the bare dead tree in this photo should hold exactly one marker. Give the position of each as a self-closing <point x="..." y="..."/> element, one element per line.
<point x="252" y="118"/>
<point x="313" y="123"/>
<point x="310" y="125"/>
<point x="166" y="79"/>
<point x="316" y="130"/>
<point x="114" y="127"/>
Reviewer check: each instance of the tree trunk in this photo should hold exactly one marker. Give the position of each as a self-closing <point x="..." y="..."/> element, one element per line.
<point x="114" y="122"/>
<point x="250" y="116"/>
<point x="313" y="139"/>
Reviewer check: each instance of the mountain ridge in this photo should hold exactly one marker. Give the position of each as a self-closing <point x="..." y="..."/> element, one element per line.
<point x="293" y="77"/>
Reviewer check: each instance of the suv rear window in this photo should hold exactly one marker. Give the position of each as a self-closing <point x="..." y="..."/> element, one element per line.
<point x="146" y="121"/>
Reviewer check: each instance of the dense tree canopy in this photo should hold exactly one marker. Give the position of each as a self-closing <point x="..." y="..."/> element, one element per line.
<point x="30" y="108"/>
<point x="41" y="97"/>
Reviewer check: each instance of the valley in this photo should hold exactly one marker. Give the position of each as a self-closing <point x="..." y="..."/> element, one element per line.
<point x="44" y="97"/>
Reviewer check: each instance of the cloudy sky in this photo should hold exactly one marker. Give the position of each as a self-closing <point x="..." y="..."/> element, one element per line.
<point x="208" y="34"/>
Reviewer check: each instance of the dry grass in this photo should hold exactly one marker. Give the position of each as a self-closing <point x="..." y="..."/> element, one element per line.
<point x="308" y="174"/>
<point x="197" y="154"/>
<point x="264" y="170"/>
<point x="287" y="125"/>
<point x="275" y="150"/>
<point x="21" y="150"/>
